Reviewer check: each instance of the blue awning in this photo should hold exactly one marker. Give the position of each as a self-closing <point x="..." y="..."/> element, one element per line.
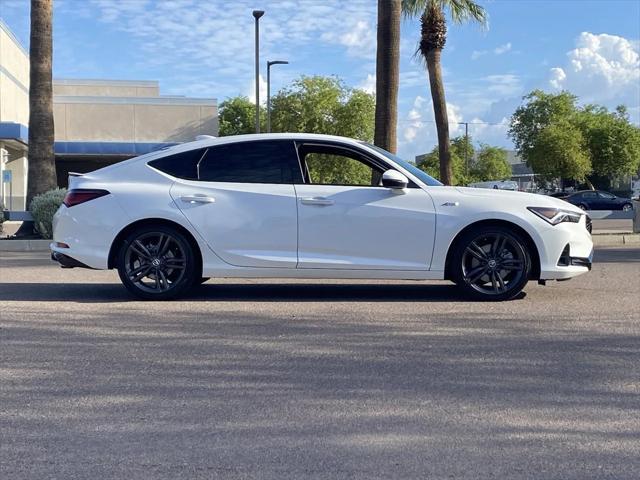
<point x="14" y="131"/>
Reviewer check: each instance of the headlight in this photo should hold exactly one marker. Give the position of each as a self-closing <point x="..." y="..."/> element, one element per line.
<point x="556" y="215"/>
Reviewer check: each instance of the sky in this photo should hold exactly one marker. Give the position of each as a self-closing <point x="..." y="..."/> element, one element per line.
<point x="204" y="48"/>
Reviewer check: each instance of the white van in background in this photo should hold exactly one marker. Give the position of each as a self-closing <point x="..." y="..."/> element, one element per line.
<point x="496" y="185"/>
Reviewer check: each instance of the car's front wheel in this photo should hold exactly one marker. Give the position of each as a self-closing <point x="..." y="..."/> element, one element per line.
<point x="491" y="263"/>
<point x="157" y="263"/>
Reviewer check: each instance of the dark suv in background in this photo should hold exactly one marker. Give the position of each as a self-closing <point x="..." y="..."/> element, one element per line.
<point x="599" y="200"/>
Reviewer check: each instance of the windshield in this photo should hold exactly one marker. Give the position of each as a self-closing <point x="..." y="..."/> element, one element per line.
<point x="423" y="176"/>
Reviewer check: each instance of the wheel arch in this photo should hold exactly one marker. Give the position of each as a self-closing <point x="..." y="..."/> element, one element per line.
<point x="113" y="250"/>
<point x="531" y="244"/>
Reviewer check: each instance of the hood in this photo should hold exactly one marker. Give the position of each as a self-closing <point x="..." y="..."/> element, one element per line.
<point x="523" y="198"/>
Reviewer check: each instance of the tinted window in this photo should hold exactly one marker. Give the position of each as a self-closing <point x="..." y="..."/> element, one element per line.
<point x="329" y="165"/>
<point x="606" y="195"/>
<point x="589" y="195"/>
<point x="272" y="161"/>
<point x="181" y="165"/>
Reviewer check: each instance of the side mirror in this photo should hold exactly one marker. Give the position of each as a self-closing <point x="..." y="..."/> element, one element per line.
<point x="394" y="179"/>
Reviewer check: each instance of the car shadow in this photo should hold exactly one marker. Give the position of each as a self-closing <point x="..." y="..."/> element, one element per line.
<point x="242" y="292"/>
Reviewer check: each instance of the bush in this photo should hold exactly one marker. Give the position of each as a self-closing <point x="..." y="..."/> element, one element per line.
<point x="1" y="216"/>
<point x="43" y="207"/>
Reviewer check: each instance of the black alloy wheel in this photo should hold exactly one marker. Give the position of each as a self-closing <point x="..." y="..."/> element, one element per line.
<point x="492" y="264"/>
<point x="156" y="263"/>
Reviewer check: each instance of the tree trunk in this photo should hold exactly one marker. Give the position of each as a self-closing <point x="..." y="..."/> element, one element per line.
<point x="440" y="113"/>
<point x="387" y="74"/>
<point x="42" y="168"/>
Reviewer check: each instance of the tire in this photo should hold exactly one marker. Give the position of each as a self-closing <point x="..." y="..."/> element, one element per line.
<point x="627" y="207"/>
<point x="204" y="279"/>
<point x="477" y="260"/>
<point x="152" y="276"/>
<point x="583" y="206"/>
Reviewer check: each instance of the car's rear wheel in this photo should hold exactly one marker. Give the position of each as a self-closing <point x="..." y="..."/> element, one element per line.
<point x="157" y="263"/>
<point x="491" y="263"/>
<point x="627" y="207"/>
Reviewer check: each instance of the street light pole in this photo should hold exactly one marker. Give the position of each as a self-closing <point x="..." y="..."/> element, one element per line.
<point x="257" y="14"/>
<point x="274" y="62"/>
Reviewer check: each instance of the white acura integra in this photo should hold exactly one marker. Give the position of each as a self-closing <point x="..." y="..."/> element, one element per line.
<point x="308" y="206"/>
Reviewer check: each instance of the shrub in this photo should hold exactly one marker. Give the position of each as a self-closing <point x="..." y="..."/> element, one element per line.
<point x="43" y="207"/>
<point x="1" y="216"/>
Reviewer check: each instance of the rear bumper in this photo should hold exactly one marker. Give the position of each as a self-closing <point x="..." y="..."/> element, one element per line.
<point x="66" y="261"/>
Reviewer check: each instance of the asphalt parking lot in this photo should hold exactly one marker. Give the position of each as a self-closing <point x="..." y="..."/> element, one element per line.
<point x="318" y="379"/>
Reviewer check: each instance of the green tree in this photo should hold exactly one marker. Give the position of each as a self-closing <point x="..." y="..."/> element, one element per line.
<point x="42" y="167"/>
<point x="432" y="42"/>
<point x="323" y="105"/>
<point x="461" y="149"/>
<point x="560" y="150"/>
<point x="237" y="116"/>
<point x="546" y="118"/>
<point x="491" y="163"/>
<point x="387" y="73"/>
<point x="613" y="142"/>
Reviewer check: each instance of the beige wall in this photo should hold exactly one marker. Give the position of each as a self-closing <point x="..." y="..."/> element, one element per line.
<point x="139" y="120"/>
<point x="14" y="79"/>
<point x="106" y="88"/>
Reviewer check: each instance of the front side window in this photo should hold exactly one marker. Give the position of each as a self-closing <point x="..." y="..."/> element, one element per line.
<point x="331" y="165"/>
<point x="270" y="161"/>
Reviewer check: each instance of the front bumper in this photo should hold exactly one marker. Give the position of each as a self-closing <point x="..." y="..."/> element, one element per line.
<point x="568" y="250"/>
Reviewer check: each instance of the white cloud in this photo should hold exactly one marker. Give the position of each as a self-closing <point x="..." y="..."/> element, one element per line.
<point x="504" y="85"/>
<point x="602" y="68"/>
<point x="502" y="49"/>
<point x="369" y="84"/>
<point x="476" y="54"/>
<point x="360" y="39"/>
<point x="250" y="91"/>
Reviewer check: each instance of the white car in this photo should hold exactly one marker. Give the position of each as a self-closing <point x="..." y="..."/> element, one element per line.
<point x="308" y="206"/>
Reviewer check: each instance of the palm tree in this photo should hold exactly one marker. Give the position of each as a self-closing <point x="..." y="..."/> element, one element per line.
<point x="42" y="167"/>
<point x="387" y="73"/>
<point x="433" y="36"/>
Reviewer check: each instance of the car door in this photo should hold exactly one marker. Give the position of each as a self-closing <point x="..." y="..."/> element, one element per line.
<point x="243" y="202"/>
<point x="347" y="220"/>
<point x="590" y="199"/>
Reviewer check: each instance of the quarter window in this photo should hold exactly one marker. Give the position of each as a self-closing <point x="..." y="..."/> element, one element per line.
<point x="181" y="165"/>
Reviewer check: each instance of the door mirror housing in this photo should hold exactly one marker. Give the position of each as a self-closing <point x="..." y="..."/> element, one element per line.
<point x="394" y="179"/>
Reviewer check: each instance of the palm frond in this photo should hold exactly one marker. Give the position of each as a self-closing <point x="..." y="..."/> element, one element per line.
<point x="460" y="10"/>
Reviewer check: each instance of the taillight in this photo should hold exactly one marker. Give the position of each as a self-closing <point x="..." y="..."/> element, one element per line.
<point x="81" y="195"/>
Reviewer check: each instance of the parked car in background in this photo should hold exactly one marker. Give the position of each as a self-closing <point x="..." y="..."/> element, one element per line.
<point x="308" y="206"/>
<point x="496" y="185"/>
<point x="599" y="200"/>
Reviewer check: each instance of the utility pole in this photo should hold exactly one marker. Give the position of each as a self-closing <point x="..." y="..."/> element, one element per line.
<point x="274" y="62"/>
<point x="257" y="14"/>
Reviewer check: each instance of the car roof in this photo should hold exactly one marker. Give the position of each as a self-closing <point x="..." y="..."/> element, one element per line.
<point x="214" y="141"/>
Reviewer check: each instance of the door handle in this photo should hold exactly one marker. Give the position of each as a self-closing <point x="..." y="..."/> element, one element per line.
<point x="317" y="201"/>
<point x="197" y="198"/>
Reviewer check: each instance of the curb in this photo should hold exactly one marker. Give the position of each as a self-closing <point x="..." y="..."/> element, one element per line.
<point x="24" y="245"/>
<point x="615" y="239"/>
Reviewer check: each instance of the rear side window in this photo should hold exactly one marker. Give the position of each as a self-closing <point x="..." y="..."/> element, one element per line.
<point x="181" y="165"/>
<point x="271" y="161"/>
